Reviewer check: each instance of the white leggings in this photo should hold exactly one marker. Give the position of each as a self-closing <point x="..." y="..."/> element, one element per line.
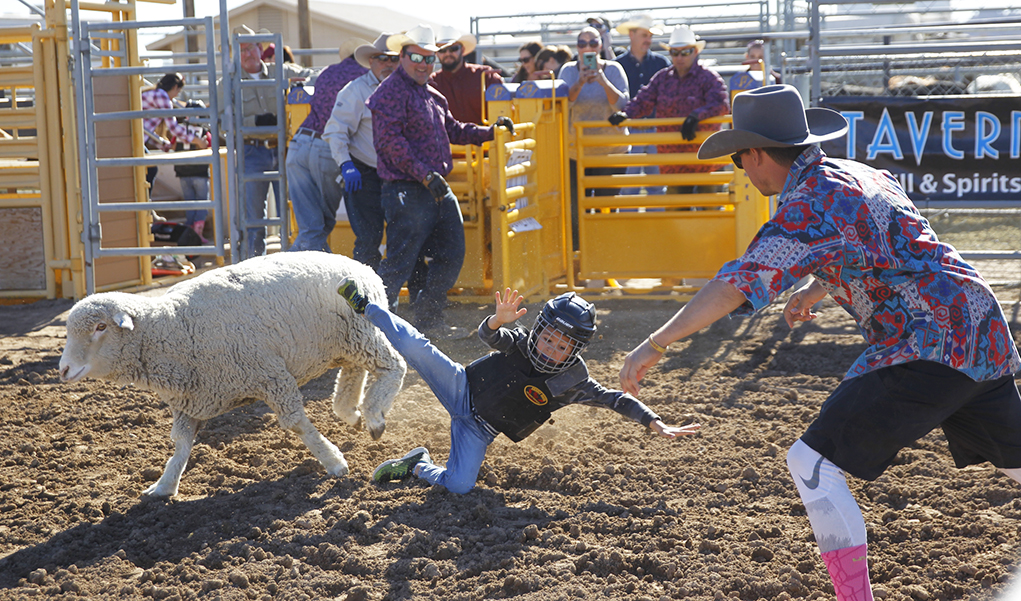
<point x="835" y="516"/>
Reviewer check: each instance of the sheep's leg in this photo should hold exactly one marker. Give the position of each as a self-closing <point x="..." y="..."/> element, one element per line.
<point x="389" y="377"/>
<point x="348" y="391"/>
<point x="284" y="398"/>
<point x="183" y="434"/>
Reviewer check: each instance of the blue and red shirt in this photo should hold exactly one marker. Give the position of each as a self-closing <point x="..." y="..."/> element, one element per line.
<point x="854" y="229"/>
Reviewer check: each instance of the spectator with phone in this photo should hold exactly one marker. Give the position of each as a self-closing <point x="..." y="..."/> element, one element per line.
<point x="598" y="89"/>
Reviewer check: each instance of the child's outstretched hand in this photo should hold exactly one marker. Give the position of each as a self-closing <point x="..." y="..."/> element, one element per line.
<point x="507" y="309"/>
<point x="672" y="431"/>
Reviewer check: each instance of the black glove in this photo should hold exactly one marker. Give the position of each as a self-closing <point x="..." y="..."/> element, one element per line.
<point x="688" y="129"/>
<point x="265" y="119"/>
<point x="617" y="118"/>
<point x="505" y="122"/>
<point x="437" y="186"/>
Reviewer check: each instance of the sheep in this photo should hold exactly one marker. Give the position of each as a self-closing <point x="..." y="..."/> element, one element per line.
<point x="253" y="331"/>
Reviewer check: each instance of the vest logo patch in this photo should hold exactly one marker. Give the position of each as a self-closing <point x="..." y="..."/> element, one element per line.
<point x="535" y="395"/>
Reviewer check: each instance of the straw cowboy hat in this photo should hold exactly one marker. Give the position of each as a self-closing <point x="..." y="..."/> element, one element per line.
<point x="682" y="37"/>
<point x="448" y="35"/>
<point x="243" y="30"/>
<point x="420" y="35"/>
<point x="350" y="45"/>
<point x="773" y="117"/>
<point x="640" y="22"/>
<point x="366" y="51"/>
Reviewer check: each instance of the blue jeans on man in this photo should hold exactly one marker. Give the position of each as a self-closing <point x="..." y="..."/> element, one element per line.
<point x="646" y="169"/>
<point x="258" y="159"/>
<point x="416" y="221"/>
<point x="315" y="193"/>
<point x="448" y="381"/>
<point x="366" y="216"/>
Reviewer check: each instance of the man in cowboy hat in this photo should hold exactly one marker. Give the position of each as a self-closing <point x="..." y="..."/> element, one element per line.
<point x="349" y="135"/>
<point x="312" y="173"/>
<point x="258" y="108"/>
<point x="412" y="132"/>
<point x="640" y="64"/>
<point x="940" y="351"/>
<point x="461" y="83"/>
<point x="686" y="90"/>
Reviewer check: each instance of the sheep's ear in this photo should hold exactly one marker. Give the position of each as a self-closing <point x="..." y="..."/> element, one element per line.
<point x="123" y="320"/>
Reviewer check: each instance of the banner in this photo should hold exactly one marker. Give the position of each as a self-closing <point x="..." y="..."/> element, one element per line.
<point x="948" y="148"/>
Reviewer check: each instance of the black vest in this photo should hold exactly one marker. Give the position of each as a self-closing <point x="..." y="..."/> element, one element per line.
<point x="512" y="400"/>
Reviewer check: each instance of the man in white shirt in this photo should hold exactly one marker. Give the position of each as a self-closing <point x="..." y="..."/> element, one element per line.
<point x="349" y="134"/>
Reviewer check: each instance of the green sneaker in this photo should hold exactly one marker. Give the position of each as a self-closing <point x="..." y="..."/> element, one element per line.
<point x="349" y="290"/>
<point x="399" y="469"/>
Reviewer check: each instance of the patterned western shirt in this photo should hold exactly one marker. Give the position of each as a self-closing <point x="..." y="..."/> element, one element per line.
<point x="159" y="99"/>
<point x="330" y="81"/>
<point x="853" y="228"/>
<point x="701" y="93"/>
<point x="463" y="89"/>
<point x="349" y="129"/>
<point x="412" y="129"/>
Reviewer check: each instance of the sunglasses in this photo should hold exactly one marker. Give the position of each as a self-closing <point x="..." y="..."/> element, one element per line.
<point x="451" y="48"/>
<point x="386" y="58"/>
<point x="421" y="58"/>
<point x="590" y="43"/>
<point x="524" y="60"/>
<point x="736" y="157"/>
<point x="682" y="52"/>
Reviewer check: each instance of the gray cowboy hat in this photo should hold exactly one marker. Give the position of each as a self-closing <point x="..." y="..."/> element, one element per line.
<point x="771" y="117"/>
<point x="366" y="51"/>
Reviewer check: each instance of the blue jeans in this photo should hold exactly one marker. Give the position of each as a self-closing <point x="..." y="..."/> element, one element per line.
<point x="315" y="194"/>
<point x="194" y="188"/>
<point x="365" y="214"/>
<point x="449" y="382"/>
<point x="415" y="221"/>
<point x="258" y="159"/>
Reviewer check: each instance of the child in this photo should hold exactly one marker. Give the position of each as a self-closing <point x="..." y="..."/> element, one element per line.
<point x="512" y="391"/>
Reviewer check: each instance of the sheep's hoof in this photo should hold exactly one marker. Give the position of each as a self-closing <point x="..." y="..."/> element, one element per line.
<point x="377" y="431"/>
<point x="159" y="491"/>
<point x="351" y="418"/>
<point x="338" y="470"/>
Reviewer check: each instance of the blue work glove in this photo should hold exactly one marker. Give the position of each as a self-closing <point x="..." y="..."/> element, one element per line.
<point x="506" y="122"/>
<point x="352" y="177"/>
<point x="688" y="129"/>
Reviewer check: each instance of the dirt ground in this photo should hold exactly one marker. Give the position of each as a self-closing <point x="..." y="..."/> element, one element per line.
<point x="589" y="507"/>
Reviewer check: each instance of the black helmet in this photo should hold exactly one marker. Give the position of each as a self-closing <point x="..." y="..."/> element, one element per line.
<point x="567" y="317"/>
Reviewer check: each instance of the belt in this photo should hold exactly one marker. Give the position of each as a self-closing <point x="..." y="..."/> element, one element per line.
<point x="304" y="130"/>
<point x="485" y="425"/>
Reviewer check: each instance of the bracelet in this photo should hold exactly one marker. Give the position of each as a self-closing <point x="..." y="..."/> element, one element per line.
<point x="655" y="346"/>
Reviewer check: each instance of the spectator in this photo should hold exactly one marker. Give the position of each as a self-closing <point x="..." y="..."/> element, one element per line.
<point x="312" y="174"/>
<point x="754" y="55"/>
<point x="349" y="135"/>
<point x="940" y="350"/>
<point x="549" y="61"/>
<point x="602" y="25"/>
<point x="526" y="59"/>
<point x="594" y="94"/>
<point x="194" y="180"/>
<point x="161" y="132"/>
<point x="462" y="84"/>
<point x="686" y="90"/>
<point x="640" y="64"/>
<point x="258" y="108"/>
<point x="412" y="130"/>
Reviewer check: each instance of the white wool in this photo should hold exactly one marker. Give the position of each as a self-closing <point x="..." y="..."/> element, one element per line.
<point x="253" y="331"/>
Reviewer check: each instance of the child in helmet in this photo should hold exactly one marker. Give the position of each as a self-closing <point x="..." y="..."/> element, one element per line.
<point x="512" y="391"/>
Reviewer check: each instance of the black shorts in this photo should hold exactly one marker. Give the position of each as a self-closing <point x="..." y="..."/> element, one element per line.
<point x="869" y="418"/>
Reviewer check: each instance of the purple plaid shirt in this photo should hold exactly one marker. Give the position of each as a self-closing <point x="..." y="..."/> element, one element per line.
<point x="854" y="230"/>
<point x="159" y="99"/>
<point x="412" y="129"/>
<point x="701" y="93"/>
<point x="330" y="81"/>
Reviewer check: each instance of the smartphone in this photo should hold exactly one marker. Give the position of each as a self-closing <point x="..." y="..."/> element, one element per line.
<point x="589" y="60"/>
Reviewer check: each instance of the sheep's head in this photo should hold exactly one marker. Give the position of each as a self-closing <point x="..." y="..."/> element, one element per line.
<point x="97" y="329"/>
